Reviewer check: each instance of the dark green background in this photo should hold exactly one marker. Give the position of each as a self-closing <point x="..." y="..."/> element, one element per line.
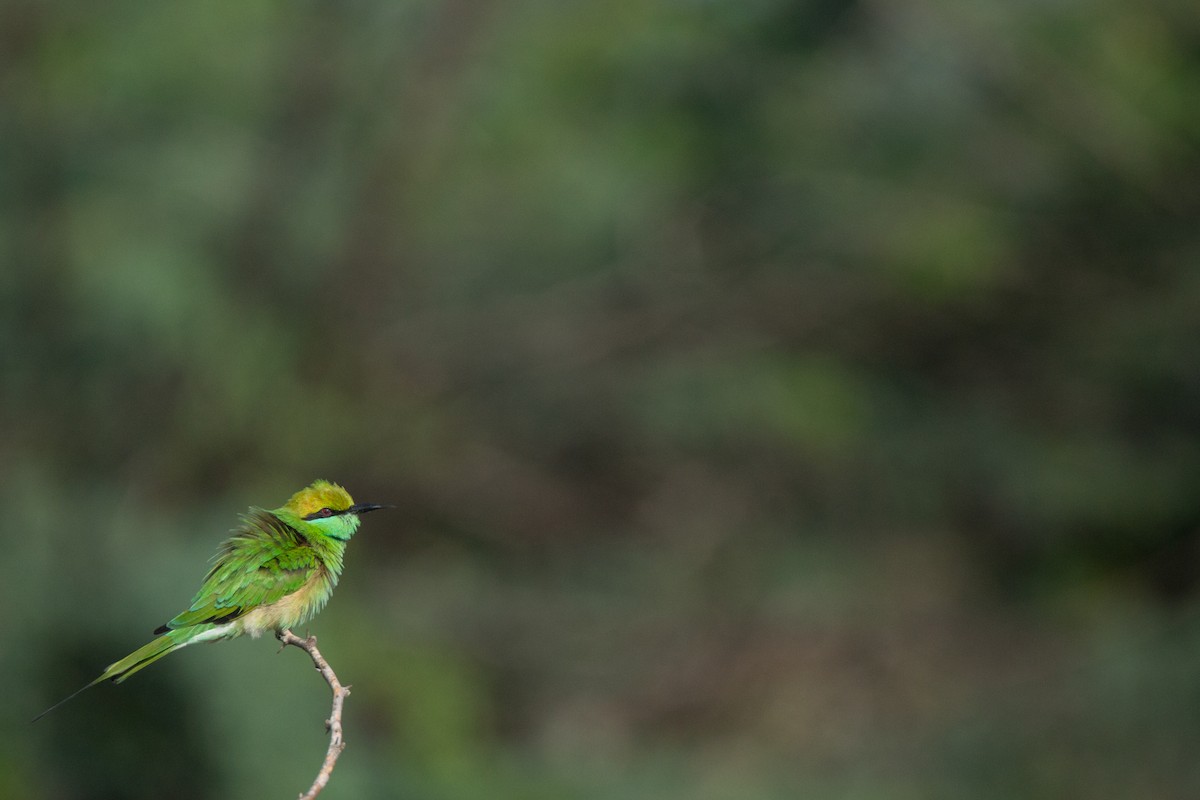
<point x="782" y="399"/>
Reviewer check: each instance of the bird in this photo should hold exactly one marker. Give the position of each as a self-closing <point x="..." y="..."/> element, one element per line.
<point x="276" y="572"/>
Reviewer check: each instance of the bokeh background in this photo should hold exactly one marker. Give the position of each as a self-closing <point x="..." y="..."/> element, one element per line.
<point x="782" y="399"/>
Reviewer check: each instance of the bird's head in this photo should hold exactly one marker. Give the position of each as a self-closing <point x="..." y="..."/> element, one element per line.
<point x="329" y="507"/>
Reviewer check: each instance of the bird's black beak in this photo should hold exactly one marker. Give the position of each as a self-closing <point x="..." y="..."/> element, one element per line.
<point x="362" y="508"/>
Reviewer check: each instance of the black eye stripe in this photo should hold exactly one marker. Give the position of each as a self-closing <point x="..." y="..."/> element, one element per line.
<point x="324" y="513"/>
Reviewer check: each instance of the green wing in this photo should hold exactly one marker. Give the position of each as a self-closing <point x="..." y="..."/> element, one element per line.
<point x="263" y="562"/>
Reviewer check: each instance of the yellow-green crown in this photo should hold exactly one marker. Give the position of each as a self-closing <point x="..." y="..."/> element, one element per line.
<point x="322" y="494"/>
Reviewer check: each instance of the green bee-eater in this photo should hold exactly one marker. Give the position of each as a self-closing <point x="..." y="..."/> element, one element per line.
<point x="276" y="571"/>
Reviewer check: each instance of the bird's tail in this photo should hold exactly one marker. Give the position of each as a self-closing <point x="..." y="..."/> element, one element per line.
<point x="150" y="652"/>
<point x="139" y="659"/>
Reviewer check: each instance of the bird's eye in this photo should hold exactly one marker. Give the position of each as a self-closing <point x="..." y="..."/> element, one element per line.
<point x="324" y="513"/>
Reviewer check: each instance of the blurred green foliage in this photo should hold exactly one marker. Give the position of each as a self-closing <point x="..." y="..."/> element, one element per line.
<point x="782" y="399"/>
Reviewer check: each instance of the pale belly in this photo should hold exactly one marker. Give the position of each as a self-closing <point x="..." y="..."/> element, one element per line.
<point x="291" y="611"/>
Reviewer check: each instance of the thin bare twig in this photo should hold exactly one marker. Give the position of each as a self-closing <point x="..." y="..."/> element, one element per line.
<point x="334" y="723"/>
